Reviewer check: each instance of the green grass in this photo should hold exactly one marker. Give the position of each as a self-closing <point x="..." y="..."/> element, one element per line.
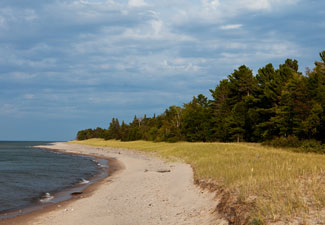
<point x="283" y="184"/>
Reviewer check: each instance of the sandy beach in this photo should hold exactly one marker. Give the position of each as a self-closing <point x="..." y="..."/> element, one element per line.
<point x="144" y="190"/>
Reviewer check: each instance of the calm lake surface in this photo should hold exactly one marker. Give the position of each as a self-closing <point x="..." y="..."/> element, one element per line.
<point x="32" y="176"/>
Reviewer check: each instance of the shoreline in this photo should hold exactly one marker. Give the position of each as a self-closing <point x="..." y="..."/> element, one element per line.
<point x="135" y="192"/>
<point x="33" y="211"/>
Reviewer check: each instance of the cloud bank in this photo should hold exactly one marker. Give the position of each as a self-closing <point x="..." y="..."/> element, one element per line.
<point x="74" y="64"/>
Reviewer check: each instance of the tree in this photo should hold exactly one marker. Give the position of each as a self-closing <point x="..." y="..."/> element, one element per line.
<point x="242" y="100"/>
<point x="316" y="88"/>
<point x="220" y="109"/>
<point x="114" y="130"/>
<point x="196" y="119"/>
<point x="275" y="103"/>
<point x="242" y="83"/>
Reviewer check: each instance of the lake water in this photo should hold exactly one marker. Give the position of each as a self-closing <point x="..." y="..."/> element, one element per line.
<point x="31" y="176"/>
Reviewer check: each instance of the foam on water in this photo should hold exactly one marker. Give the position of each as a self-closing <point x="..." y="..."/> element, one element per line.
<point x="46" y="197"/>
<point x="83" y="181"/>
<point x="33" y="176"/>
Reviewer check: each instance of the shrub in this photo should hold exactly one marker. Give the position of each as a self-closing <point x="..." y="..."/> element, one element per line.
<point x="284" y="142"/>
<point x="297" y="145"/>
<point x="312" y="146"/>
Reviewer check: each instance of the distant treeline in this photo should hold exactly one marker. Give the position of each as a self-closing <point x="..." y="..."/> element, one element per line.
<point x="274" y="104"/>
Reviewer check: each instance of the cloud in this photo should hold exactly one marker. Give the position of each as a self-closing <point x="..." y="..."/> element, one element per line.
<point x="219" y="12"/>
<point x="100" y="58"/>
<point x="29" y="96"/>
<point x="208" y="5"/>
<point x="231" y="26"/>
<point x="180" y="65"/>
<point x="259" y="4"/>
<point x="137" y="3"/>
<point x="18" y="76"/>
<point x="256" y="5"/>
<point x="154" y="30"/>
<point x="8" y="109"/>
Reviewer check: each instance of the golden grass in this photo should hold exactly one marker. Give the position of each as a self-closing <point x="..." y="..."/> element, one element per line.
<point x="284" y="184"/>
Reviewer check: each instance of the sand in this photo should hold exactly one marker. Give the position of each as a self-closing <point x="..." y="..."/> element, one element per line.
<point x="145" y="190"/>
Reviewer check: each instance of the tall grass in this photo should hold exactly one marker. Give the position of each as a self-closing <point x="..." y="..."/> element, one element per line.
<point x="282" y="184"/>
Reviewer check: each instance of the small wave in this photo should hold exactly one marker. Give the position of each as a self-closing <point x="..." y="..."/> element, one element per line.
<point x="101" y="165"/>
<point x="83" y="181"/>
<point x="46" y="197"/>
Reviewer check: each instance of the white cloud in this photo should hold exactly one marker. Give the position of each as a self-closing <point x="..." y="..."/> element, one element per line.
<point x="82" y="12"/>
<point x="22" y="76"/>
<point x="8" y="109"/>
<point x="157" y="26"/>
<point x="137" y="3"/>
<point x="137" y="56"/>
<point x="219" y="12"/>
<point x="28" y="96"/>
<point x="154" y="30"/>
<point x="231" y="27"/>
<point x="258" y="4"/>
<point x="180" y="65"/>
<point x="207" y="4"/>
<point x="9" y="16"/>
<point x="268" y="50"/>
<point x="2" y="22"/>
<point x="30" y="15"/>
<point x="235" y="45"/>
<point x="277" y="49"/>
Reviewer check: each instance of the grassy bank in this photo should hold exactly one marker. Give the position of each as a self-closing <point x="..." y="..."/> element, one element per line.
<point x="279" y="184"/>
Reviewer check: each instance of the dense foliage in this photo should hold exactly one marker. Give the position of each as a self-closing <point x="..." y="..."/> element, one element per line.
<point x="272" y="105"/>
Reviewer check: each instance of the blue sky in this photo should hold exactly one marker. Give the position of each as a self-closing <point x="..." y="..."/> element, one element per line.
<point x="67" y="65"/>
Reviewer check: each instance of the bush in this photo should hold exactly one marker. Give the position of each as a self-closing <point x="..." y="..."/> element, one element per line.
<point x="312" y="146"/>
<point x="297" y="145"/>
<point x="285" y="142"/>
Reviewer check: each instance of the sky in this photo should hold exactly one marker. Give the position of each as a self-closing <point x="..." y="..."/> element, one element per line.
<point x="67" y="65"/>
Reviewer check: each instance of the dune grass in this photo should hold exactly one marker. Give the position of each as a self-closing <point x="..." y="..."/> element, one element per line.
<point x="283" y="184"/>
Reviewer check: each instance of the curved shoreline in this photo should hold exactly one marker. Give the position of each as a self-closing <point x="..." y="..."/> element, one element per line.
<point x="63" y="194"/>
<point x="143" y="190"/>
<point x="30" y="212"/>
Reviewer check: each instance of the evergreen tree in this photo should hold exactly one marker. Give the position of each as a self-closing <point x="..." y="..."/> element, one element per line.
<point x="196" y="119"/>
<point x="114" y="130"/>
<point x="242" y="99"/>
<point x="220" y="110"/>
<point x="274" y="103"/>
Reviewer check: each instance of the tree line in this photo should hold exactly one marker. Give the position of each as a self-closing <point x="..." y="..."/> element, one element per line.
<point x="275" y="103"/>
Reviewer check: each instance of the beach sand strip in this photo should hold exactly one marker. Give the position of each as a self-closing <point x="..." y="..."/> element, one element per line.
<point x="142" y="190"/>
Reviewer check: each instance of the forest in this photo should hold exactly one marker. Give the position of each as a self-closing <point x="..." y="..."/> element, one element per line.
<point x="280" y="106"/>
